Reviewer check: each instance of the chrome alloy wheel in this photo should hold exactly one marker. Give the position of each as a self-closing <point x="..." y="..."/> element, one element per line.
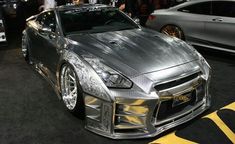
<point x="172" y="30"/>
<point x="69" y="89"/>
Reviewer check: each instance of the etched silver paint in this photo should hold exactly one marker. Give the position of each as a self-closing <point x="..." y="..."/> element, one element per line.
<point x="156" y="68"/>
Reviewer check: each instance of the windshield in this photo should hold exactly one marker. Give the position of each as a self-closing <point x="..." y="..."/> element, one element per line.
<point x="96" y="21"/>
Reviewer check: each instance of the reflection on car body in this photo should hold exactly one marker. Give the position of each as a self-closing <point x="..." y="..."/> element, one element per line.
<point x="207" y="23"/>
<point x="128" y="81"/>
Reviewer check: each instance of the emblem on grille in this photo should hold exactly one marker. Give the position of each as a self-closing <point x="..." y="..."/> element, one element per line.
<point x="180" y="99"/>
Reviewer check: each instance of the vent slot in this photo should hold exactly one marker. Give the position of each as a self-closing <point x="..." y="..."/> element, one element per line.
<point x="166" y="110"/>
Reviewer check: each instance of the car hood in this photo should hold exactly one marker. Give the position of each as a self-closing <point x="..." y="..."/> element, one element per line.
<point x="134" y="52"/>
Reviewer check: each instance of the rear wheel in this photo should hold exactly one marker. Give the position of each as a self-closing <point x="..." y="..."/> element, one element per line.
<point x="25" y="48"/>
<point x="71" y="91"/>
<point x="174" y="31"/>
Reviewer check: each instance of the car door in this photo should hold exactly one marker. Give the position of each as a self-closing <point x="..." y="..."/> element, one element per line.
<point x="220" y="27"/>
<point x="192" y="18"/>
<point x="35" y="39"/>
<point x="47" y="38"/>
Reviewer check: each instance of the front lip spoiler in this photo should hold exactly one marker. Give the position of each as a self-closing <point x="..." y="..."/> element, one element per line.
<point x="194" y="112"/>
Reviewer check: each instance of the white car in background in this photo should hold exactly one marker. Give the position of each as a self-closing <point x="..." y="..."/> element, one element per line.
<point x="204" y="23"/>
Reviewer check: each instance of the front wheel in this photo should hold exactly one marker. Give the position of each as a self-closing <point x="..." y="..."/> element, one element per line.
<point x="71" y="91"/>
<point x="172" y="30"/>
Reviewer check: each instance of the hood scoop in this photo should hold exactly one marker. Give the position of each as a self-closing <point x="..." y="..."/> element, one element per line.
<point x="113" y="42"/>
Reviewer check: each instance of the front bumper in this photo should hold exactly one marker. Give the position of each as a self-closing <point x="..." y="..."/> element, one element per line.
<point x="140" y="115"/>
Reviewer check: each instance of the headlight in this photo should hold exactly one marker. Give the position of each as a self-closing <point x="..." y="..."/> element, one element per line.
<point x="201" y="58"/>
<point x="206" y="66"/>
<point x="110" y="77"/>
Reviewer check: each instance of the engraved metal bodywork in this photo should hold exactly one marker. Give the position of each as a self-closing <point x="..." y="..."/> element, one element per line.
<point x="164" y="81"/>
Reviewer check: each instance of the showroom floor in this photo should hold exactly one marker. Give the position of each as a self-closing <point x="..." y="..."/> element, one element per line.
<point x="30" y="112"/>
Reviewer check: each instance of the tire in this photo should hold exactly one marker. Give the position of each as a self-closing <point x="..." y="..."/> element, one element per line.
<point x="71" y="91"/>
<point x="25" y="48"/>
<point x="173" y="30"/>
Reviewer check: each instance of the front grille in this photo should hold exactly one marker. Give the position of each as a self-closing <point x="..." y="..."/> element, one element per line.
<point x="176" y="82"/>
<point x="166" y="109"/>
<point x="169" y="109"/>
<point x="196" y="108"/>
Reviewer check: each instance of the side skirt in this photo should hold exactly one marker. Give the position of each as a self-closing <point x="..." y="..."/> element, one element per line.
<point x="43" y="71"/>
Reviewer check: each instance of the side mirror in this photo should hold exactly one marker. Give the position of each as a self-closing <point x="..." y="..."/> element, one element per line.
<point x="46" y="31"/>
<point x="137" y="20"/>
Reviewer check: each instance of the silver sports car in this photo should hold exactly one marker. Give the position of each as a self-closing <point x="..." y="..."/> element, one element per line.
<point x="207" y="23"/>
<point x="126" y="81"/>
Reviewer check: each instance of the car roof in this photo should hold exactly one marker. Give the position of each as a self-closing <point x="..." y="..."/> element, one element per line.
<point x="82" y="7"/>
<point x="189" y="2"/>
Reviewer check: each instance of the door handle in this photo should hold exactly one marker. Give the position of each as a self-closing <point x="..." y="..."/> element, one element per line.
<point x="217" y="19"/>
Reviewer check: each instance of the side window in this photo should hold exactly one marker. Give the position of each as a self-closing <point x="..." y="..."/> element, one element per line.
<point x="199" y="8"/>
<point x="47" y="19"/>
<point x="223" y="8"/>
<point x="39" y="19"/>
